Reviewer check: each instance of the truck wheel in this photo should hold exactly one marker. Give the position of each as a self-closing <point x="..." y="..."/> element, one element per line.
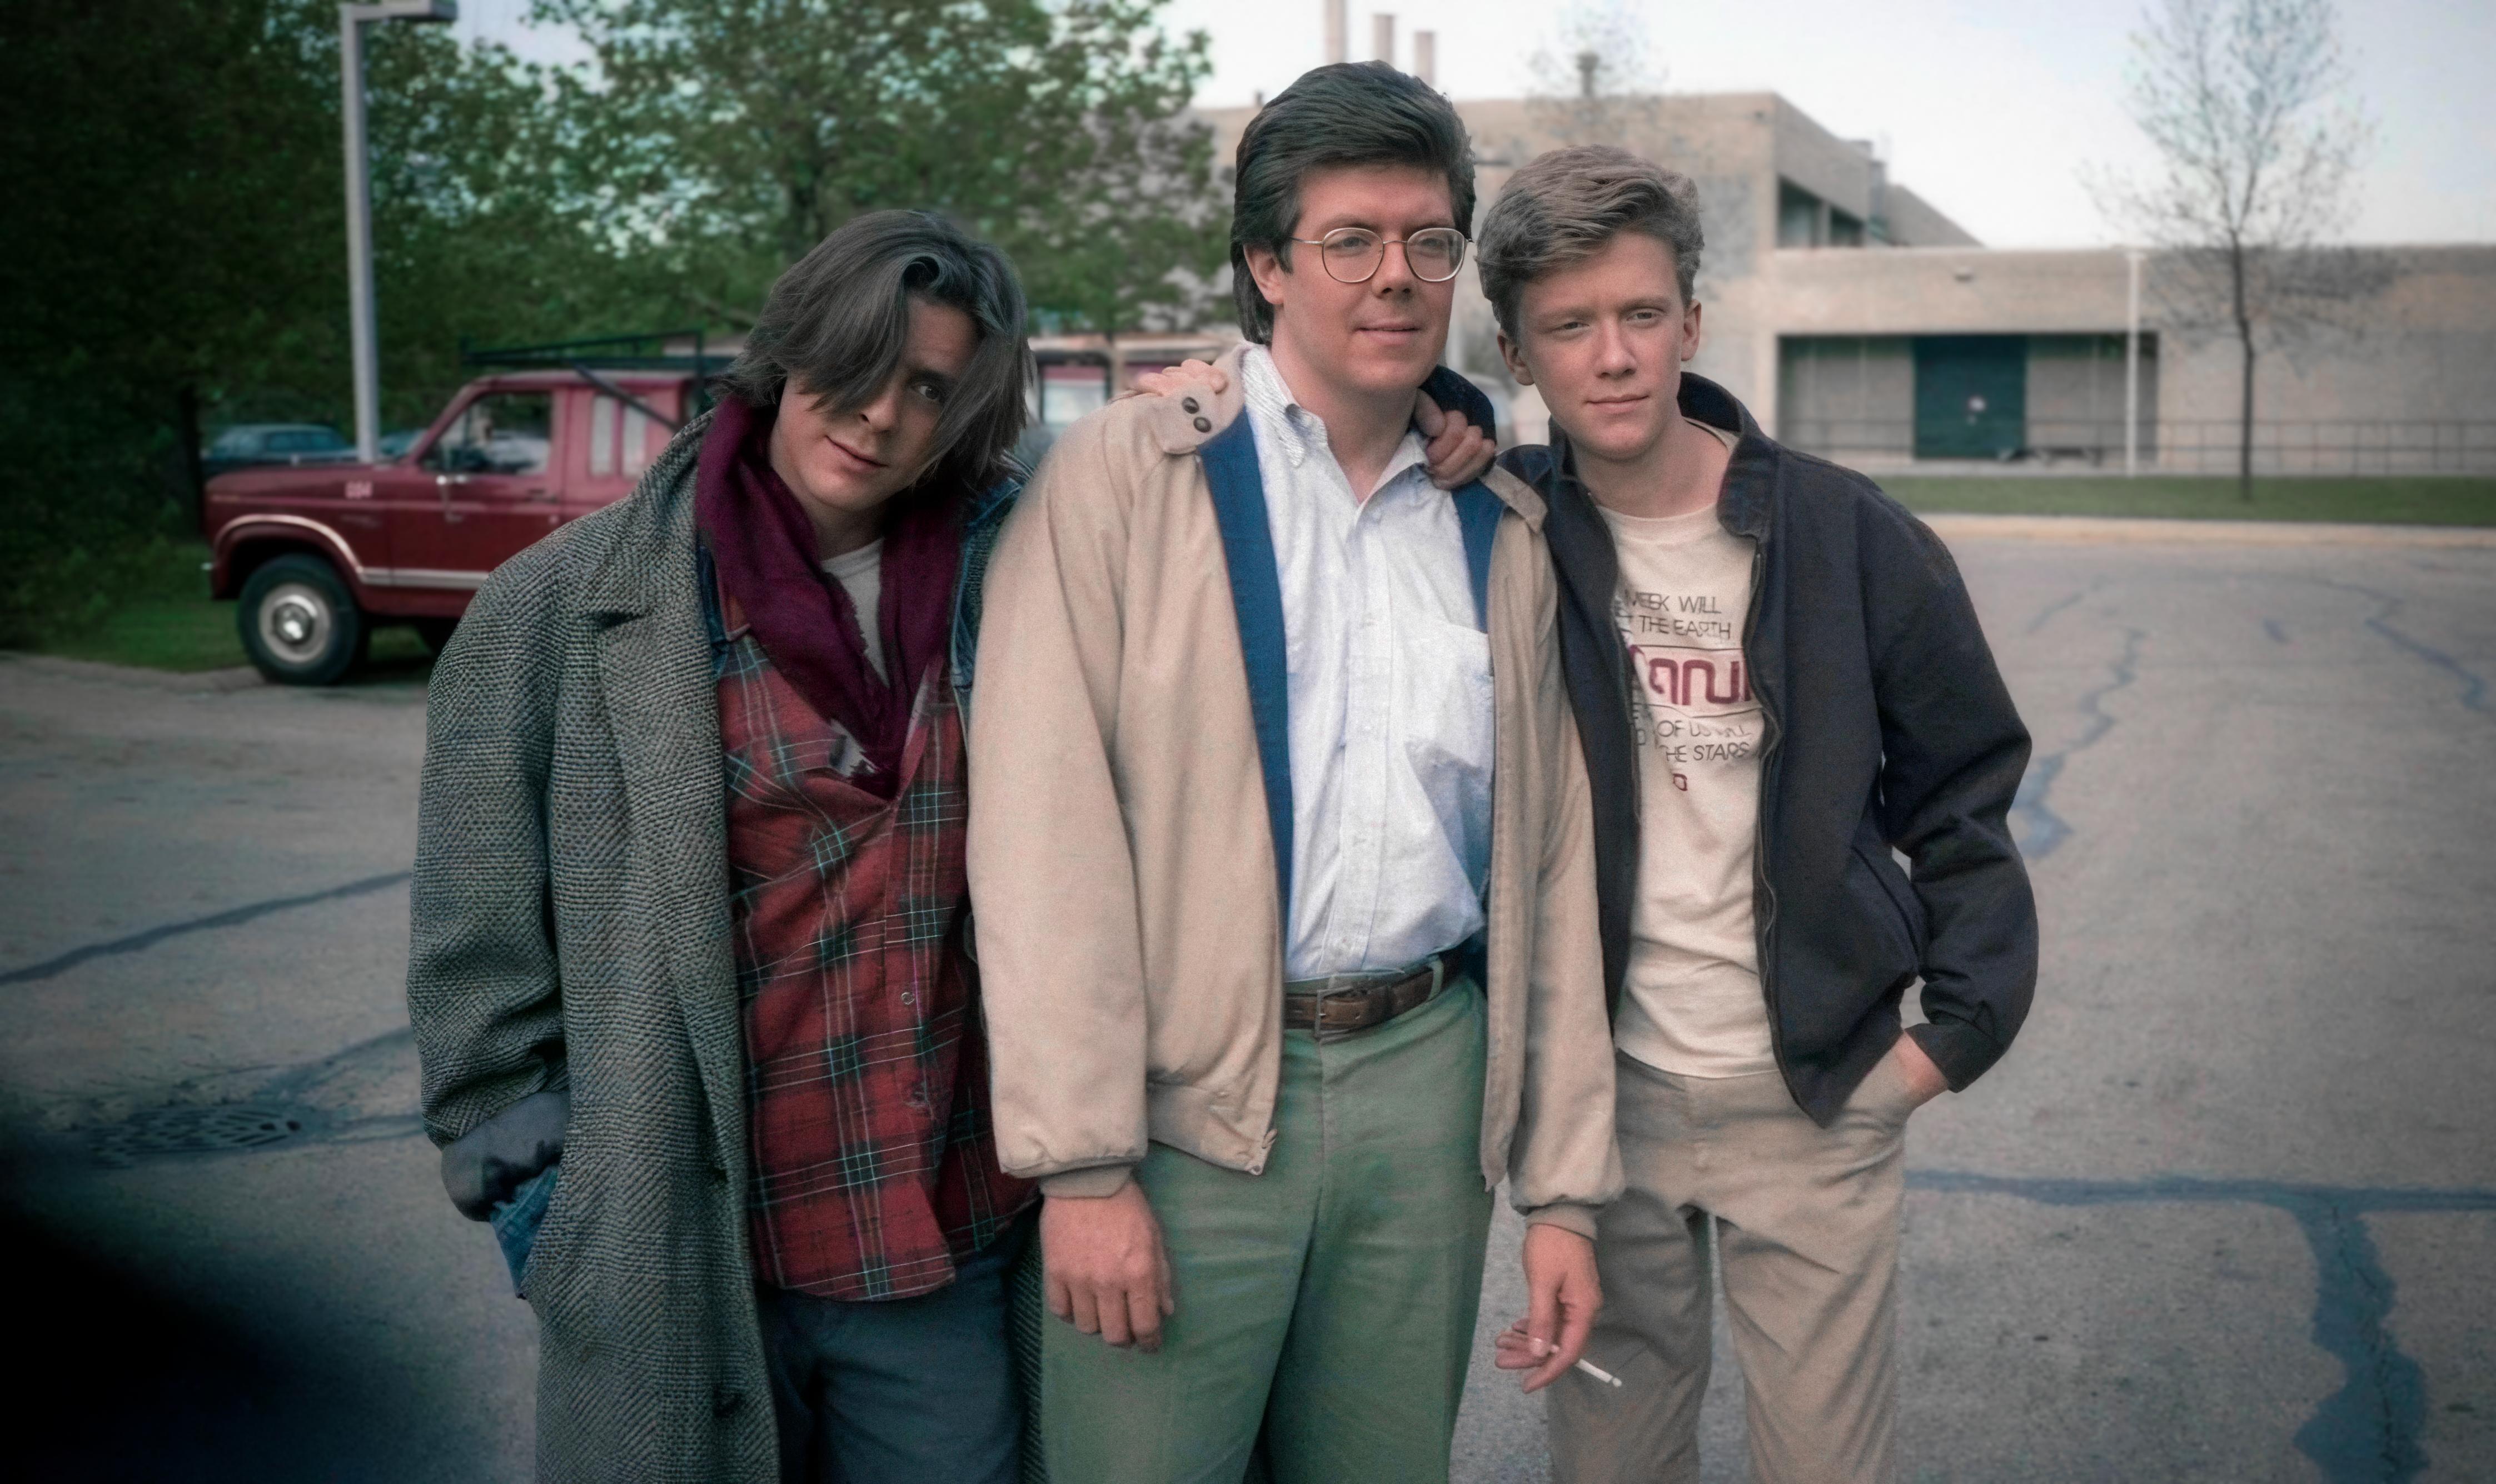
<point x="300" y="623"/>
<point x="435" y="632"/>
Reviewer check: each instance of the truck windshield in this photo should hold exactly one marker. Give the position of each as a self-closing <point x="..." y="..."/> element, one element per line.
<point x="502" y="432"/>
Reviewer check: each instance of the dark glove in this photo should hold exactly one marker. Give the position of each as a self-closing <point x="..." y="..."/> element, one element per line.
<point x="495" y="1158"/>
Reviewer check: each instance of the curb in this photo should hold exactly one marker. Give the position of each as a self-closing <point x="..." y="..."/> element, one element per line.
<point x="192" y="682"/>
<point x="2110" y="530"/>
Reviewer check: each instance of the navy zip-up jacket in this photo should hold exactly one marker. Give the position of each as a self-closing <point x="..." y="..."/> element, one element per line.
<point x="1887" y="726"/>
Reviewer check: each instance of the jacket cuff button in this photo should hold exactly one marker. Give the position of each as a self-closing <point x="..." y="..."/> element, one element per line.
<point x="724" y="1402"/>
<point x="1203" y="427"/>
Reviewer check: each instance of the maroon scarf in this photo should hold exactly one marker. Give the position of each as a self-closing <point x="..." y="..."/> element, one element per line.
<point x="764" y="548"/>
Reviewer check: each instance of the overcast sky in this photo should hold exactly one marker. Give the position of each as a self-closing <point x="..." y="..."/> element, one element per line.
<point x="1989" y="108"/>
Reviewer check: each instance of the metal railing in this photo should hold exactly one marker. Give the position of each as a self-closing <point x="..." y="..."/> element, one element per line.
<point x="2343" y="446"/>
<point x="647" y="351"/>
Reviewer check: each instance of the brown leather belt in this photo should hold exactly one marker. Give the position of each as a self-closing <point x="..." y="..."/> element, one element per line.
<point x="1347" y="1002"/>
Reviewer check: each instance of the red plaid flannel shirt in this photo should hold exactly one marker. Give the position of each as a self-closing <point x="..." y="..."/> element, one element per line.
<point x="867" y="1083"/>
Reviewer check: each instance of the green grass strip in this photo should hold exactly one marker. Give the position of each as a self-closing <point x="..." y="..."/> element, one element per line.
<point x="2388" y="501"/>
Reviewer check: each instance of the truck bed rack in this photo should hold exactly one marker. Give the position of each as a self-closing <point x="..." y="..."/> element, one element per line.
<point x="647" y="351"/>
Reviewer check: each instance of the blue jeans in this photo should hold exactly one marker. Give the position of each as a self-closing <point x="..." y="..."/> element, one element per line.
<point x="516" y="1221"/>
<point x="899" y="1391"/>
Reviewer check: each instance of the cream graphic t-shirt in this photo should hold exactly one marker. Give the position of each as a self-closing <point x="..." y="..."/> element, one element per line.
<point x="1693" y="1004"/>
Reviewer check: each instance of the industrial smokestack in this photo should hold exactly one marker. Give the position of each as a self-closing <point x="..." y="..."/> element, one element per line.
<point x="1383" y="36"/>
<point x="1425" y="57"/>
<point x="1338" y="27"/>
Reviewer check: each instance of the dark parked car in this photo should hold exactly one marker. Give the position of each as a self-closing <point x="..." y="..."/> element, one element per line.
<point x="256" y="445"/>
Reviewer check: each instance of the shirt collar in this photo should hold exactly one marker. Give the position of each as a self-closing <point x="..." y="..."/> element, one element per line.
<point x="1297" y="430"/>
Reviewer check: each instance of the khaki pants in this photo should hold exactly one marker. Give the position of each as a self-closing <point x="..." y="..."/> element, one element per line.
<point x="1328" y="1302"/>
<point x="1804" y="1222"/>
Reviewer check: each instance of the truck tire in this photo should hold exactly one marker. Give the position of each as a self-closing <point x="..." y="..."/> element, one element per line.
<point x="299" y="624"/>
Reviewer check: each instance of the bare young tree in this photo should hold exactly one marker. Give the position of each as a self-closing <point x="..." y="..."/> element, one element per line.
<point x="1593" y="84"/>
<point x="2259" y="151"/>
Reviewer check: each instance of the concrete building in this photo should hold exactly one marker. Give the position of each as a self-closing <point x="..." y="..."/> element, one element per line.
<point x="1857" y="320"/>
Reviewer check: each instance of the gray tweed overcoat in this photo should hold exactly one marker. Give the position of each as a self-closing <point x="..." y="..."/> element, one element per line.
<point x="571" y="925"/>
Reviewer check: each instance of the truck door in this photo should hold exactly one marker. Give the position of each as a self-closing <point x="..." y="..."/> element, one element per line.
<point x="493" y="472"/>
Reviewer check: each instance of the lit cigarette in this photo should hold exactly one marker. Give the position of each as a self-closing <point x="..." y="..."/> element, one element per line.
<point x="1547" y="1347"/>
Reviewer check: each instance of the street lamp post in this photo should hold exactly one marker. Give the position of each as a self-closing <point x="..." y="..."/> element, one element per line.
<point x="362" y="339"/>
<point x="2131" y="368"/>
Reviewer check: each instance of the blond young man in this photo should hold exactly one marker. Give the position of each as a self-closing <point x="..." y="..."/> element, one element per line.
<point x="1779" y="681"/>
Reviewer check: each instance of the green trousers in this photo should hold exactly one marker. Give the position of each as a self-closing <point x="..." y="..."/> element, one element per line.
<point x="1328" y="1302"/>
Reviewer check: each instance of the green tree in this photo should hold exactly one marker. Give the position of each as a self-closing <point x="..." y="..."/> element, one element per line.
<point x="176" y="254"/>
<point x="734" y="135"/>
<point x="485" y="227"/>
<point x="158" y="236"/>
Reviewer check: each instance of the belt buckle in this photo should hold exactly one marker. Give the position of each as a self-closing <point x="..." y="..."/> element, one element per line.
<point x="1318" y="1028"/>
<point x="1373" y="985"/>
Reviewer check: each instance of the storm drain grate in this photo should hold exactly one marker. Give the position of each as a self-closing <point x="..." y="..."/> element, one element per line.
<point x="194" y="1131"/>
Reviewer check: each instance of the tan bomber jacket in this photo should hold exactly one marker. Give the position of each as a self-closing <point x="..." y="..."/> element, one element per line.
<point x="1122" y="861"/>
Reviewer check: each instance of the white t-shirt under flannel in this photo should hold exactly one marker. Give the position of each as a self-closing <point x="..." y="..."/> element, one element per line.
<point x="860" y="574"/>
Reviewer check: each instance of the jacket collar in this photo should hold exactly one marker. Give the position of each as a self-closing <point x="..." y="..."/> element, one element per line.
<point x="992" y="503"/>
<point x="1184" y="424"/>
<point x="1747" y="507"/>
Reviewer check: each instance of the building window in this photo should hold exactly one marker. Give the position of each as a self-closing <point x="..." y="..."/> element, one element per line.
<point x="1847" y="398"/>
<point x="1798" y="220"/>
<point x="1881" y="400"/>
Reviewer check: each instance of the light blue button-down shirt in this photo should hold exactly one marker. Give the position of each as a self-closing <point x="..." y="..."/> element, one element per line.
<point x="1389" y="694"/>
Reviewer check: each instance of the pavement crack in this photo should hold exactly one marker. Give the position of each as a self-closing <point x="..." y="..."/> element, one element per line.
<point x="2046" y="614"/>
<point x="2367" y="1431"/>
<point x="2045" y="831"/>
<point x="2287" y="1195"/>
<point x="366" y="1059"/>
<point x="2473" y="685"/>
<point x="232" y="917"/>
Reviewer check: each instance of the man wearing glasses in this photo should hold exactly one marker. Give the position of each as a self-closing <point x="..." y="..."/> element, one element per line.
<point x="1280" y="858"/>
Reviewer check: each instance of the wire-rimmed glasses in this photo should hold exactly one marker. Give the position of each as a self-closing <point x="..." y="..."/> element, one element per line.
<point x="1354" y="253"/>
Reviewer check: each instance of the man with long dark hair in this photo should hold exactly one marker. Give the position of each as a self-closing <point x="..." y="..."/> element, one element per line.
<point x="689" y="975"/>
<point x="1287" y="917"/>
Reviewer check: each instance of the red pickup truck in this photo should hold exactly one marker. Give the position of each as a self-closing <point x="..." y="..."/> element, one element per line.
<point x="321" y="555"/>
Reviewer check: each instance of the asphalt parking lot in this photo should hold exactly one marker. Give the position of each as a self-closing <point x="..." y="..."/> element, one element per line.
<point x="2225" y="1213"/>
